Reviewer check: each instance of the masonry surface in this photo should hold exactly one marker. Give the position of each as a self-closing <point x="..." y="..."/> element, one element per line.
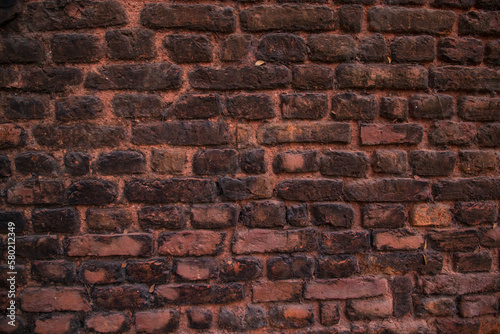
<point x="326" y="166"/>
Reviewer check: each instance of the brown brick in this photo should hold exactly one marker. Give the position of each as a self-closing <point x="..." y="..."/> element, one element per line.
<point x="191" y="243"/>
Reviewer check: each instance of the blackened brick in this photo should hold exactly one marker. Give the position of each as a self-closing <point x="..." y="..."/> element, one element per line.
<point x="215" y="162"/>
<point x="437" y="106"/>
<point x="479" y="23"/>
<point x="78" y="136"/>
<point x="351" y="18"/>
<point x="335" y="215"/>
<point x="394" y="108"/>
<point x="289" y="266"/>
<point x="235" y="47"/>
<point x="214" y="216"/>
<point x="38" y="163"/>
<point x="454" y="240"/>
<point x="461" y="50"/>
<point x="304" y="132"/>
<point x="196" y="106"/>
<point x="383" y="215"/>
<point x="121" y="162"/>
<point x="482" y="109"/>
<point x="351" y="106"/>
<point x="410" y="49"/>
<point x="344" y="242"/>
<point x="240" y="269"/>
<point x="91" y="192"/>
<point x="303" y="190"/>
<point x="75" y="108"/>
<point x="336" y="266"/>
<point x="250" y="107"/>
<point x="125" y="44"/>
<point x="312" y="77"/>
<point x="253" y="161"/>
<point x="389" y="190"/>
<point x="21" y="49"/>
<point x="108" y="219"/>
<point x="373" y="48"/>
<point x="331" y="48"/>
<point x="452" y="133"/>
<point x="137" y="106"/>
<point x="475" y="213"/>
<point x="282" y="48"/>
<point x="339" y="163"/>
<point x="390" y="161"/>
<point x="433" y="163"/>
<point x="464" y="78"/>
<point x="472" y="262"/>
<point x="297" y="215"/>
<point x="55" y="220"/>
<point x="75" y="48"/>
<point x="252" y="187"/>
<point x="489" y="135"/>
<point x="77" y="163"/>
<point x="304" y="106"/>
<point x="263" y="214"/>
<point x="296" y="162"/>
<point x="189" y="48"/>
<point x="26" y="107"/>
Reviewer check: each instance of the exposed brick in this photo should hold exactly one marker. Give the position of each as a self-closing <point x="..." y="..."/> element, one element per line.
<point x="26" y="107"/>
<point x="121" y="297"/>
<point x="383" y="215"/>
<point x="336" y="215"/>
<point x="381" y="76"/>
<point x="402" y="303"/>
<point x="489" y="135"/>
<point x="188" y="48"/>
<point x="199" y="318"/>
<point x="192" y="17"/>
<point x="390" y="134"/>
<point x="37" y="163"/>
<point x="481" y="188"/>
<point x="192" y="294"/>
<point x="253" y="161"/>
<point x="394" y="108"/>
<point x="329" y="314"/>
<point x="473" y="306"/>
<point x="78" y="136"/>
<point x="331" y="48"/>
<point x="270" y="241"/>
<point x="410" y="49"/>
<point x="403" y="263"/>
<point x="252" y="187"/>
<point x="346" y="288"/>
<point x="373" y="48"/>
<point x="472" y="262"/>
<point x="344" y="242"/>
<point x="196" y="269"/>
<point x="77" y="163"/>
<point x="480" y="109"/>
<point x="464" y="78"/>
<point x="135" y="106"/>
<point x="276" y="291"/>
<point x="409" y="20"/>
<point x="148" y="271"/>
<point x="291" y="316"/>
<point x="475" y="213"/>
<point x="248" y="78"/>
<point x="107" y="322"/>
<point x="242" y="318"/>
<point x="240" y="269"/>
<point x="339" y="163"/>
<point x="297" y="215"/>
<point x="58" y="271"/>
<point x="436" y="306"/>
<point x="56" y="323"/>
<point x="296" y="162"/>
<point x="101" y="272"/>
<point x="282" y="48"/>
<point x="35" y="192"/>
<point x="431" y="215"/>
<point x="21" y="49"/>
<point x="479" y="23"/>
<point x="38" y="247"/>
<point x="54" y="299"/>
<point x="304" y="106"/>
<point x="336" y="266"/>
<point x="289" y="266"/>
<point x="75" y="48"/>
<point x="454" y="240"/>
<point x="389" y="190"/>
<point x="351" y="18"/>
<point x="189" y="190"/>
<point x="55" y="221"/>
<point x="369" y="309"/>
<point x="458" y="284"/>
<point x="214" y="216"/>
<point x="235" y="47"/>
<point x="317" y="190"/>
<point x="108" y="219"/>
<point x="288" y="17"/>
<point x="132" y="244"/>
<point x="11" y="136"/>
<point x="304" y="132"/>
<point x="191" y="243"/>
<point x="460" y="51"/>
<point x="452" y="133"/>
<point x="130" y="44"/>
<point x="215" y="162"/>
<point x="250" y="107"/>
<point x="312" y="77"/>
<point x="433" y="163"/>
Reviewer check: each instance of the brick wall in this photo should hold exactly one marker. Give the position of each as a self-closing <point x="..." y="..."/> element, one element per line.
<point x="251" y="166"/>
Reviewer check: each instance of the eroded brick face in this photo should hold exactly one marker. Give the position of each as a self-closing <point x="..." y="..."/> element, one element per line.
<point x="253" y="166"/>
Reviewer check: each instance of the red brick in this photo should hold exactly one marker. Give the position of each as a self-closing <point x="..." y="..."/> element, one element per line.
<point x="54" y="299"/>
<point x="276" y="291"/>
<point x="107" y="322"/>
<point x="346" y="288"/>
<point x="157" y="321"/>
<point x="271" y="241"/>
<point x="191" y="243"/>
<point x="109" y="245"/>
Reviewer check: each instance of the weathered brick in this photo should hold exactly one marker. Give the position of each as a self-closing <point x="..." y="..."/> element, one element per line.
<point x="108" y="219"/>
<point x="410" y="20"/>
<point x="271" y="241"/>
<point x="75" y="48"/>
<point x="344" y="242"/>
<point x="389" y="190"/>
<point x="336" y="215"/>
<point x="263" y="214"/>
<point x="436" y="306"/>
<point x="54" y="299"/>
<point x="37" y="163"/>
<point x="383" y="215"/>
<point x="433" y="163"/>
<point x="351" y="18"/>
<point x="452" y="133"/>
<point x="45" y="16"/>
<point x="373" y="48"/>
<point x="381" y="76"/>
<point x="296" y="162"/>
<point x="346" y="288"/>
<point x="192" y="294"/>
<point x="369" y="309"/>
<point x="58" y="271"/>
<point x="288" y="17"/>
<point x="135" y="106"/>
<point x="55" y="221"/>
<point x="472" y="262"/>
<point x="248" y="78"/>
<point x="464" y="78"/>
<point x="472" y="189"/>
<point x="479" y="23"/>
<point x="340" y="163"/>
<point x="130" y="44"/>
<point x="56" y="323"/>
<point x="75" y="108"/>
<point x="431" y="215"/>
<point x="214" y="216"/>
<point x="489" y="135"/>
<point x="26" y="107"/>
<point x="410" y="49"/>
<point x="298" y="215"/>
<point x="437" y="106"/>
<point x="107" y="322"/>
<point x="196" y="269"/>
<point x="460" y="50"/>
<point x="188" y="190"/>
<point x="78" y="136"/>
<point x="121" y="297"/>
<point x="35" y="192"/>
<point x="317" y="190"/>
<point x="454" y="240"/>
<point x="336" y="266"/>
<point x="192" y="17"/>
<point x="482" y="109"/>
<point x="235" y="47"/>
<point x="101" y="272"/>
<point x="473" y="306"/>
<point x="492" y="53"/>
<point x="312" y="77"/>
<point x="91" y="192"/>
<point x="305" y="132"/>
<point x="215" y="162"/>
<point x="458" y="284"/>
<point x="289" y="266"/>
<point x="121" y="162"/>
<point x="329" y="314"/>
<point x="475" y="213"/>
<point x="133" y="244"/>
<point x="276" y="291"/>
<point x="240" y="269"/>
<point x="188" y="48"/>
<point x="391" y="134"/>
<point x="253" y="161"/>
<point x="291" y="316"/>
<point x="390" y="240"/>
<point x="394" y="263"/>
<point x="331" y="48"/>
<point x="394" y="108"/>
<point x="199" y="318"/>
<point x="191" y="243"/>
<point x="402" y="288"/>
<point x="282" y="48"/>
<point x="11" y="136"/>
<point x="304" y="106"/>
<point x="38" y="247"/>
<point x="148" y="271"/>
<point x="21" y="49"/>
<point x="252" y="187"/>
<point x="242" y="318"/>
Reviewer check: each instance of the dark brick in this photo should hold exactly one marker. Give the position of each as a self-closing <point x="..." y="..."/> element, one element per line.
<point x="479" y="23"/>
<point x="329" y="314"/>
<point x="21" y="49"/>
<point x="46" y="16"/>
<point x="252" y="187"/>
<point x="235" y="47"/>
<point x="296" y="162"/>
<point x="197" y="106"/>
<point x="214" y="216"/>
<point x="433" y="163"/>
<point x="5" y="170"/>
<point x="77" y="163"/>
<point x="479" y="162"/>
<point x="282" y="48"/>
<point x="472" y="262"/>
<point x="240" y="269"/>
<point x="185" y="133"/>
<point x="395" y="263"/>
<point x="389" y="190"/>
<point x="91" y="192"/>
<point x="26" y="107"/>
<point x="291" y="316"/>
<point x="394" y="108"/>
<point x="410" y="49"/>
<point x="35" y="247"/>
<point x="37" y="163"/>
<point x="189" y="48"/>
<point x="17" y="217"/>
<point x="461" y="51"/>
<point x="148" y="271"/>
<point x="199" y="318"/>
<point x="339" y="163"/>
<point x="298" y="215"/>
<point x="253" y="161"/>
<point x="492" y="53"/>
<point x="473" y="189"/>
<point x="242" y="318"/>
<point x="101" y="272"/>
<point x="344" y="242"/>
<point x="381" y="76"/>
<point x="304" y="132"/>
<point x="454" y="240"/>
<point x="402" y="303"/>
<point x="336" y="266"/>
<point x="193" y="294"/>
<point x="335" y="215"/>
<point x="289" y="266"/>
<point x="54" y="79"/>
<point x="77" y="136"/>
<point x="351" y="18"/>
<point x="452" y="133"/>
<point x="288" y="17"/>
<point x="482" y="109"/>
<point x="121" y="297"/>
<point x="465" y="4"/>
<point x="263" y="214"/>
<point x="137" y="106"/>
<point x="55" y="221"/>
<point x="438" y="106"/>
<point x="250" y="107"/>
<point x="248" y="78"/>
<point x="373" y="48"/>
<point x="351" y="106"/>
<point x="75" y="108"/>
<point x="383" y="216"/>
<point x="305" y="190"/>
<point x="389" y="161"/>
<point x="109" y="219"/>
<point x="196" y="269"/>
<point x="130" y="44"/>
<point x="410" y="20"/>
<point x="75" y="48"/>
<point x="11" y="136"/>
<point x="215" y="162"/>
<point x="464" y="78"/>
<point x="34" y="192"/>
<point x="142" y="77"/>
<point x="475" y="213"/>
<point x="304" y="106"/>
<point x="489" y="135"/>
<point x="121" y="162"/>
<point x="331" y="48"/>
<point x="58" y="271"/>
<point x="192" y="17"/>
<point x="274" y="241"/>
<point x="312" y="77"/>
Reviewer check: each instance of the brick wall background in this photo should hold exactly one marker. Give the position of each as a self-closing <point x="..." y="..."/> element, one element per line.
<point x="253" y="166"/>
